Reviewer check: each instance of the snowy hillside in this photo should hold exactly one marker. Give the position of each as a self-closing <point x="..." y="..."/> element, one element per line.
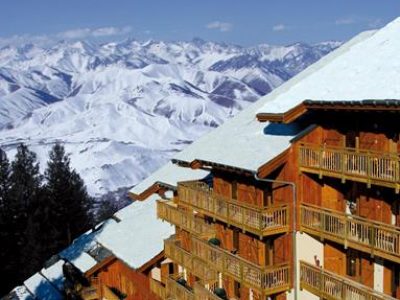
<point x="124" y="108"/>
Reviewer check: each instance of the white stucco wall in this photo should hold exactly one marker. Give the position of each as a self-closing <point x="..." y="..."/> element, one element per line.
<point x="306" y="247"/>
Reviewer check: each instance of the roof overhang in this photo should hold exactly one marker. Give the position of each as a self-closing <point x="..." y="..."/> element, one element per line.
<point x="156" y="188"/>
<point x="386" y="105"/>
<point x="152" y="262"/>
<point x="101" y="265"/>
<point x="262" y="171"/>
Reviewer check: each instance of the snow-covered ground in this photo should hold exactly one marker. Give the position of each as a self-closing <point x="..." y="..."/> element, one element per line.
<point x="123" y="109"/>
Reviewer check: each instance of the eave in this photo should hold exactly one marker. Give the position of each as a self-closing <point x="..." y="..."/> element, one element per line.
<point x="101" y="265"/>
<point x="156" y="188"/>
<point x="387" y="105"/>
<point x="261" y="172"/>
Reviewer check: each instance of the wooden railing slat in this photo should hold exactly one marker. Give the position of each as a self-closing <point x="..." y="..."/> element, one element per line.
<point x="328" y="285"/>
<point x="258" y="220"/>
<point x="376" y="167"/>
<point x="377" y="237"/>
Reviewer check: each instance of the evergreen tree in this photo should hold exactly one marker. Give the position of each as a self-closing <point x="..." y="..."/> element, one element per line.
<point x="5" y="181"/>
<point x="67" y="195"/>
<point x="21" y="203"/>
<point x="5" y="229"/>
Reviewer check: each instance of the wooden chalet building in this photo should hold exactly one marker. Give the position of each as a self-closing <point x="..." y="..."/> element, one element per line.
<point x="296" y="198"/>
<point x="302" y="200"/>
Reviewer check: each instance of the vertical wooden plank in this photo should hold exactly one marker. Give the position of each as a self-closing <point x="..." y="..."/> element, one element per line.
<point x="388" y="272"/>
<point x="222" y="187"/>
<point x="334" y="259"/>
<point x="367" y="271"/>
<point x="332" y="198"/>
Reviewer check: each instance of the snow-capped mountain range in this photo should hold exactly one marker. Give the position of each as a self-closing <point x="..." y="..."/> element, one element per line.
<point x="123" y="108"/>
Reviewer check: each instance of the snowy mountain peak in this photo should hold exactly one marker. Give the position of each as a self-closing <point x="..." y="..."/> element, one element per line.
<point x="123" y="108"/>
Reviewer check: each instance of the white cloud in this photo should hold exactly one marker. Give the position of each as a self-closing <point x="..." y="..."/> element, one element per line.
<point x="80" y="33"/>
<point x="221" y="26"/>
<point x="279" y="27"/>
<point x="345" y="21"/>
<point x="25" y="39"/>
<point x="73" y="34"/>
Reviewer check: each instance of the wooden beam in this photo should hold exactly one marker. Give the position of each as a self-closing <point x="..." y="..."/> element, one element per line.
<point x="273" y="164"/>
<point x="101" y="265"/>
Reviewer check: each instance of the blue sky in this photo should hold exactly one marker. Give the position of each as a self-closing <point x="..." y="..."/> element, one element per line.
<point x="244" y="22"/>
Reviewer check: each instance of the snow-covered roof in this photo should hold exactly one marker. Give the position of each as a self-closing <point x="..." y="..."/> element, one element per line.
<point x="20" y="293"/>
<point x="139" y="236"/>
<point x="366" y="67"/>
<point x="41" y="288"/>
<point x="169" y="174"/>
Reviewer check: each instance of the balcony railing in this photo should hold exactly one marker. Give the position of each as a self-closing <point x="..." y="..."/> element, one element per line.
<point x="371" y="167"/>
<point x="176" y="290"/>
<point x="201" y="293"/>
<point x="157" y="288"/>
<point x="168" y="211"/>
<point x="328" y="285"/>
<point x="196" y="266"/>
<point x="360" y="233"/>
<point x="261" y="221"/>
<point x="266" y="280"/>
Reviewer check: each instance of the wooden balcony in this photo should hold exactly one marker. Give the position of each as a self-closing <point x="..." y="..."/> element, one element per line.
<point x="196" y="266"/>
<point x="158" y="288"/>
<point x="266" y="280"/>
<point x="201" y="293"/>
<point x="262" y="221"/>
<point x="359" y="233"/>
<point x="328" y="285"/>
<point x="177" y="291"/>
<point x="370" y="167"/>
<point x="168" y="211"/>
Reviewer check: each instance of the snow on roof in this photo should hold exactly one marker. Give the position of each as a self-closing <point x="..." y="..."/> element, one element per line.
<point x="54" y="274"/>
<point x="84" y="262"/>
<point x="41" y="288"/>
<point x="242" y="142"/>
<point x="169" y="174"/>
<point x="20" y="293"/>
<point x="139" y="236"/>
<point x="368" y="67"/>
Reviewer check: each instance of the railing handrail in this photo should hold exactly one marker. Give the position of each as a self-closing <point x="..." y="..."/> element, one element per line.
<point x="194" y="185"/>
<point x="172" y="283"/>
<point x="205" y="228"/>
<point x="172" y="241"/>
<point x="262" y="269"/>
<point x="344" y="215"/>
<point x="351" y="150"/>
<point x="345" y="280"/>
<point x="200" y="290"/>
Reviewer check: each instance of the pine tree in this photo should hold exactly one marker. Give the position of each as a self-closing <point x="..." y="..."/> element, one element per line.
<point x="22" y="202"/>
<point x="5" y="233"/>
<point x="70" y="202"/>
<point x="5" y="182"/>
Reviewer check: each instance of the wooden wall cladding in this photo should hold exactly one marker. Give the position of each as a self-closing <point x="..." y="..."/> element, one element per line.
<point x="135" y="285"/>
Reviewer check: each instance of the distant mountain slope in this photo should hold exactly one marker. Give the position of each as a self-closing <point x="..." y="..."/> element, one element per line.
<point x="124" y="108"/>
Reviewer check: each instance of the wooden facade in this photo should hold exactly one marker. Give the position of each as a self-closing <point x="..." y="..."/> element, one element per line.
<point x="347" y="178"/>
<point x="348" y="187"/>
<point x="112" y="279"/>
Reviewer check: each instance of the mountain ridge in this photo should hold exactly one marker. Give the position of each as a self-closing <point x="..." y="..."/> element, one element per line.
<point x="123" y="108"/>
